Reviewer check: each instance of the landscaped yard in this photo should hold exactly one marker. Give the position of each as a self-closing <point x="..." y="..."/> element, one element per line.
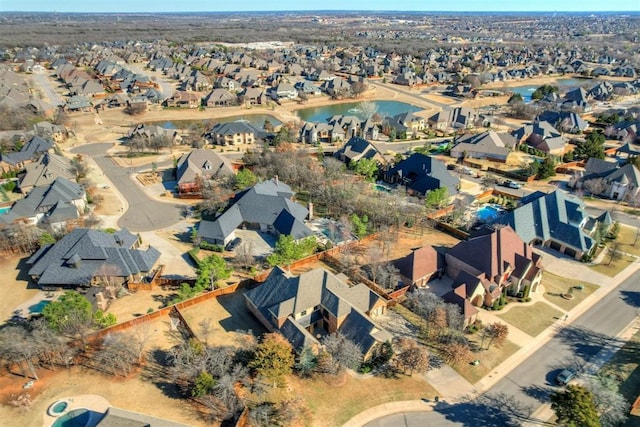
<point x="532" y="319"/>
<point x="489" y="359"/>
<point x="627" y="237"/>
<point x="333" y="405"/>
<point x="555" y="285"/>
<point x="625" y="366"/>
<point x="611" y="267"/>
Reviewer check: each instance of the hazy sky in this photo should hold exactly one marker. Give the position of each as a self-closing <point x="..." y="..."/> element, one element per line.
<point x="251" y="5"/>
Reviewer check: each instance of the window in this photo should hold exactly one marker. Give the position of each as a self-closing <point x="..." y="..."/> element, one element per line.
<point x="303" y="313"/>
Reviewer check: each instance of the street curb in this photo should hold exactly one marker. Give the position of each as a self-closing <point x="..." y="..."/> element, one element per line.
<point x="389" y="408"/>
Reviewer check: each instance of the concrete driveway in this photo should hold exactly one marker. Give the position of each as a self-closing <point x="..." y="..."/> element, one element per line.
<point x="143" y="213"/>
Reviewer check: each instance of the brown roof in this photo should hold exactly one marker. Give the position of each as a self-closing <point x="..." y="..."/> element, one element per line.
<point x="419" y="263"/>
<point x="458" y="296"/>
<point x="494" y="252"/>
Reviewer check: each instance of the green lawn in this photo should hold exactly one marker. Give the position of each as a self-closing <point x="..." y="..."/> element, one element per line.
<point x="531" y="319"/>
<point x="613" y="267"/>
<point x="489" y="359"/>
<point x="555" y="285"/>
<point x="627" y="238"/>
<point x="625" y="366"/>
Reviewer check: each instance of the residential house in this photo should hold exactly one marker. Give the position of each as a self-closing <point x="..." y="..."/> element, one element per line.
<point x="49" y="130"/>
<point x="336" y="87"/>
<point x="314" y="133"/>
<point x="462" y="295"/>
<point x="420" y="174"/>
<point x="253" y="96"/>
<point x="267" y="206"/>
<point x="413" y="123"/>
<point x="232" y="133"/>
<point x="614" y="182"/>
<point x="317" y="303"/>
<point x="307" y="88"/>
<point x="358" y="148"/>
<point x="556" y="220"/>
<point x="486" y="145"/>
<point x="284" y="91"/>
<point x="564" y="120"/>
<point x="44" y="171"/>
<point x="220" y="98"/>
<point x="78" y="103"/>
<point x="457" y="118"/>
<point x="183" y="99"/>
<point x="542" y="136"/>
<point x="88" y="257"/>
<point x="420" y="266"/>
<point x="199" y="165"/>
<point x="30" y="151"/>
<point x="150" y="132"/>
<point x="498" y="260"/>
<point x="49" y="206"/>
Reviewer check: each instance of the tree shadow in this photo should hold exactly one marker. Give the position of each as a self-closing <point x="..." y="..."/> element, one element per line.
<point x="631" y="297"/>
<point x="539" y="393"/>
<point x="156" y="371"/>
<point x="488" y="410"/>
<point x="585" y="342"/>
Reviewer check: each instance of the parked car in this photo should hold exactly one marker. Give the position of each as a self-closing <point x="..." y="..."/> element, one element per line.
<point x="512" y="184"/>
<point x="233" y="244"/>
<point x="565" y="376"/>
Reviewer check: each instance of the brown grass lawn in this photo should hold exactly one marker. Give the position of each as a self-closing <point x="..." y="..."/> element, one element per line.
<point x="627" y="237"/>
<point x="614" y="267"/>
<point x="625" y="366"/>
<point x="555" y="285"/>
<point x="332" y="405"/>
<point x="489" y="359"/>
<point x="532" y="319"/>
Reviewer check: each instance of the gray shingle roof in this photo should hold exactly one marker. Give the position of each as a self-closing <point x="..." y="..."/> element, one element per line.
<point x="30" y="150"/>
<point x="423" y="173"/>
<point x="206" y="163"/>
<point x="83" y="254"/>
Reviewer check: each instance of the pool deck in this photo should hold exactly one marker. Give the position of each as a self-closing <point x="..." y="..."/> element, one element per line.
<point x="23" y="309"/>
<point x="92" y="402"/>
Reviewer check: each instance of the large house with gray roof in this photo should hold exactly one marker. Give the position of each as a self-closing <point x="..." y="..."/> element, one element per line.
<point x="542" y="136"/>
<point x="233" y="133"/>
<point x="420" y="174"/>
<point x="556" y="220"/>
<point x="199" y="165"/>
<point x="44" y="171"/>
<point x="486" y="145"/>
<point x="86" y="257"/>
<point x="49" y="206"/>
<point x="28" y="152"/>
<point x="612" y="181"/>
<point x="267" y="206"/>
<point x="316" y="303"/>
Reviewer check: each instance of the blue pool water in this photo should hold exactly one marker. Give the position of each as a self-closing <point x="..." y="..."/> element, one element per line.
<point x="37" y="308"/>
<point x="379" y="187"/>
<point x="75" y="418"/>
<point x="4" y="210"/>
<point x="488" y="212"/>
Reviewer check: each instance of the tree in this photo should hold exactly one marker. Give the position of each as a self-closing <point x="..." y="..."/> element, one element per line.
<point x="435" y="199"/>
<point x="344" y="353"/>
<point x="412" y="357"/>
<point x="455" y="352"/>
<point x="496" y="332"/>
<point x="210" y="270"/>
<point x="357" y="88"/>
<point x="575" y="407"/>
<point x="610" y="404"/>
<point x="365" y="167"/>
<point x="79" y="167"/>
<point x="595" y="186"/>
<point x="203" y="385"/>
<point x="288" y="250"/>
<point x="245" y="178"/>
<point x="307" y="362"/>
<point x="547" y="168"/>
<point x="273" y="358"/>
<point x="592" y="146"/>
<point x="543" y="91"/>
<point x="71" y="313"/>
<point x="515" y="98"/>
<point x="359" y="225"/>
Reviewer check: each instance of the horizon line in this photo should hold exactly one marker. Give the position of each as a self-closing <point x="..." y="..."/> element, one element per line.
<point x="328" y="10"/>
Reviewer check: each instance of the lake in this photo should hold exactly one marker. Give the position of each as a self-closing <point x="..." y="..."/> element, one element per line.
<point x="384" y="108"/>
<point x="563" y="84"/>
<point x="256" y="120"/>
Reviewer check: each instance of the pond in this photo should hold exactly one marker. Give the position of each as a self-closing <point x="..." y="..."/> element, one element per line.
<point x="563" y="84"/>
<point x="384" y="108"/>
<point x="256" y="120"/>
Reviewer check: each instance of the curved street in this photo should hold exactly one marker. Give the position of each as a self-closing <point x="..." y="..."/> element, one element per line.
<point x="143" y="213"/>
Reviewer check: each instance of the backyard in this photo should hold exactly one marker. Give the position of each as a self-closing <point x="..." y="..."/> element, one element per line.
<point x="532" y="319"/>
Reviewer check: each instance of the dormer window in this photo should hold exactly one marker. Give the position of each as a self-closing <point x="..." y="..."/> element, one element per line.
<point x="207" y="165"/>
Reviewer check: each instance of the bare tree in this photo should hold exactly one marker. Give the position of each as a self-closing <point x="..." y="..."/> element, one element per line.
<point x="244" y="254"/>
<point x="343" y="352"/>
<point x="455" y="352"/>
<point x="595" y="186"/>
<point x="412" y="356"/>
<point x="497" y="334"/>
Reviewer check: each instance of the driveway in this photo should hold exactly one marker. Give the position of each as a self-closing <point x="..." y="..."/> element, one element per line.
<point x="49" y="92"/>
<point x="143" y="213"/>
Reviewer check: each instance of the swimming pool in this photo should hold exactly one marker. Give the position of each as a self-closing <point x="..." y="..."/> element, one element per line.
<point x="5" y="210"/>
<point x="38" y="307"/>
<point x="489" y="212"/>
<point x="75" y="418"/>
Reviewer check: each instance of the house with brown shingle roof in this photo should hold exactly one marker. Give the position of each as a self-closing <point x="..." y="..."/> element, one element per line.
<point x="420" y="266"/>
<point x="499" y="260"/>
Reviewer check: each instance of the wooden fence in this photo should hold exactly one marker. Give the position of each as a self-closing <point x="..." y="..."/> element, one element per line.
<point x="147" y="286"/>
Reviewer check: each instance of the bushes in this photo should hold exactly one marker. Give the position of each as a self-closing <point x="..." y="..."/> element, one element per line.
<point x="211" y="247"/>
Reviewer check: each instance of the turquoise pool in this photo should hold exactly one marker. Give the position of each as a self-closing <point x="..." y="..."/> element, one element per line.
<point x="489" y="212"/>
<point x="74" y="418"/>
<point x="38" y="307"/>
<point x="5" y="210"/>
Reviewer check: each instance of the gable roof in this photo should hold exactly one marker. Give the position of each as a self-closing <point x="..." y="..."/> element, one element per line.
<point x="419" y="263"/>
<point x="206" y="163"/>
<point x="45" y="170"/>
<point x="84" y="253"/>
<point x="284" y="295"/>
<point x="489" y="142"/>
<point x="358" y="148"/>
<point x="423" y="173"/>
<point x="264" y="203"/>
<point x="34" y="147"/>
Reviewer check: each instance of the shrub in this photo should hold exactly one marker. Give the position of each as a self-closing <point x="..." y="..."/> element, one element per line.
<point x="211" y="247"/>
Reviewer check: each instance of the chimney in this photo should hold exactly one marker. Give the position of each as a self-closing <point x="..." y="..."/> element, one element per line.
<point x="310" y="211"/>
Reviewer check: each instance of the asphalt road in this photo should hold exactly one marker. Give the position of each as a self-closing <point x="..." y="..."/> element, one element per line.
<point x="144" y="213"/>
<point x="526" y="387"/>
<point x="49" y="91"/>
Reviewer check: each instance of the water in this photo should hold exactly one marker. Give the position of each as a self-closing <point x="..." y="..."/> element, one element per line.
<point x="488" y="212"/>
<point x="563" y="84"/>
<point x="37" y="308"/>
<point x="256" y="120"/>
<point x="59" y="407"/>
<point x="379" y="187"/>
<point x="5" y="210"/>
<point x="75" y="418"/>
<point x="383" y="108"/>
